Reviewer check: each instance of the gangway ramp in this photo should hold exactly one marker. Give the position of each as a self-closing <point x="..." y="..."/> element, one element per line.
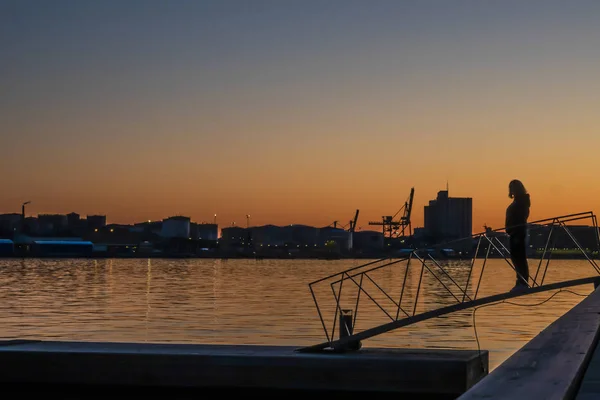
<point x="351" y="289"/>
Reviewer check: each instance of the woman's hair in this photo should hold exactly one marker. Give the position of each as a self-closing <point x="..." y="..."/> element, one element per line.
<point x="516" y="188"/>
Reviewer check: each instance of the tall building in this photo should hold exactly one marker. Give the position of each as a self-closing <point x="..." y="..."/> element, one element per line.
<point x="448" y="218"/>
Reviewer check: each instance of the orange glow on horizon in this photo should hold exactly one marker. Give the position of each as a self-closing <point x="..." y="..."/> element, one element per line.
<point x="321" y="209"/>
<point x="298" y="114"/>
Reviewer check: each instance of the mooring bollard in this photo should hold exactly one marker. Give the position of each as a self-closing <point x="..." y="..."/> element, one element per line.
<point x="347" y="329"/>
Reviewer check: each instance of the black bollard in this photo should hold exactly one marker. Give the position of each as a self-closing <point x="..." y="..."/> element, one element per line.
<point x="346" y="329"/>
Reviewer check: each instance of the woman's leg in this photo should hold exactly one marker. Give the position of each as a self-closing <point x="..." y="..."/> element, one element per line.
<point x="518" y="255"/>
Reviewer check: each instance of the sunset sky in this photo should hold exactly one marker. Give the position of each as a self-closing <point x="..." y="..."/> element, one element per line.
<point x="297" y="111"/>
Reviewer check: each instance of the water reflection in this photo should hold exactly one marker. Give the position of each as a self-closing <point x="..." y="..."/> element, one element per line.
<point x="148" y="307"/>
<point x="255" y="302"/>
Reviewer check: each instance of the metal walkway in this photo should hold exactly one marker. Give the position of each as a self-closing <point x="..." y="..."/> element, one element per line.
<point x="492" y="243"/>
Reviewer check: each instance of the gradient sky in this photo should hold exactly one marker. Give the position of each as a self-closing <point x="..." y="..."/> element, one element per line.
<point x="297" y="111"/>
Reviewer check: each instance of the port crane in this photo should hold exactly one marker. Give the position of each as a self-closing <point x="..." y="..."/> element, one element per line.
<point x="350" y="225"/>
<point x="393" y="228"/>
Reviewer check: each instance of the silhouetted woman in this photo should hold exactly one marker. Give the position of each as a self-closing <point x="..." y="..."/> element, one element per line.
<point x="516" y="227"/>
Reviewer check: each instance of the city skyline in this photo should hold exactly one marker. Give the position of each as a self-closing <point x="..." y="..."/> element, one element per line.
<point x="417" y="217"/>
<point x="297" y="112"/>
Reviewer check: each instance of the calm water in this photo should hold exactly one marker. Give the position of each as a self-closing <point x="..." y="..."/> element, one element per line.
<point x="256" y="302"/>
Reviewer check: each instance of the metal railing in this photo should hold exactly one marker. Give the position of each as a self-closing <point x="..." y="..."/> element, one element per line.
<point x="489" y="242"/>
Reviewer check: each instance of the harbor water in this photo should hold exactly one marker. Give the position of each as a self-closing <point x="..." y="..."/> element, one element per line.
<point x="242" y="301"/>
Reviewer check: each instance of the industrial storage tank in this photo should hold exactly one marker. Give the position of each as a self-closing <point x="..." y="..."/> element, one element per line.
<point x="303" y="235"/>
<point x="205" y="231"/>
<point x="176" y="227"/>
<point x="269" y="235"/>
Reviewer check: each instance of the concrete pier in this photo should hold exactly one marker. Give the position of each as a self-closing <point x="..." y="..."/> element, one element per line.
<point x="111" y="368"/>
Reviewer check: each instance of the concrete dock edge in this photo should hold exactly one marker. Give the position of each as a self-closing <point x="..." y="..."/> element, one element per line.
<point x="437" y="373"/>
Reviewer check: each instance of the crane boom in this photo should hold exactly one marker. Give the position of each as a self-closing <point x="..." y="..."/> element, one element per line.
<point x="391" y="226"/>
<point x="408" y="211"/>
<point x="353" y="223"/>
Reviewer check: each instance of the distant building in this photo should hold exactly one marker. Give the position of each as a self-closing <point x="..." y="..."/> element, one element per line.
<point x="7" y="248"/>
<point x="176" y="227"/>
<point x="302" y="235"/>
<point x="340" y="237"/>
<point x="22" y="239"/>
<point x="32" y="226"/>
<point x="269" y="235"/>
<point x="96" y="222"/>
<point x="448" y="218"/>
<point x="9" y="223"/>
<point x="367" y="241"/>
<point x="150" y="227"/>
<point x="73" y="220"/>
<point x="117" y="228"/>
<point x="586" y="236"/>
<point x="234" y="236"/>
<point x="419" y="233"/>
<point x="204" y="231"/>
<point x="52" y="223"/>
<point x="61" y="248"/>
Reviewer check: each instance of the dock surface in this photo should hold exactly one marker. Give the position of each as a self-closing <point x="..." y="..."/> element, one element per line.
<point x="432" y="373"/>
<point x="590" y="383"/>
<point x="552" y="366"/>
